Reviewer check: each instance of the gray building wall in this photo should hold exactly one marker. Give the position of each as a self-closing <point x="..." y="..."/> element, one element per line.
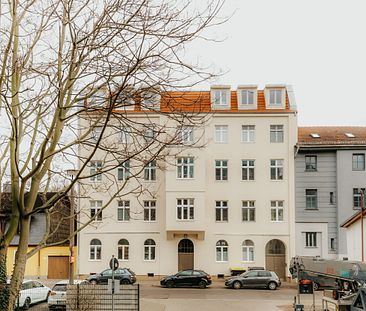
<point x="347" y="179"/>
<point x="324" y="179"/>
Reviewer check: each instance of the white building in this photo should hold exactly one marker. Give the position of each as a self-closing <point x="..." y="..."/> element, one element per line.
<point x="229" y="204"/>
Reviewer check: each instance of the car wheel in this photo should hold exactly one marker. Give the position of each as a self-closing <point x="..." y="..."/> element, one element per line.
<point x="93" y="282"/>
<point x="27" y="303"/>
<point x="315" y="286"/>
<point x="169" y="284"/>
<point x="125" y="282"/>
<point x="272" y="285"/>
<point x="202" y="284"/>
<point x="236" y="285"/>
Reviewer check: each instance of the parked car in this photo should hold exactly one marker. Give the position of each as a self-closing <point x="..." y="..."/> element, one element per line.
<point x="254" y="279"/>
<point x="57" y="297"/>
<point x="32" y="292"/>
<point x="187" y="278"/>
<point x="124" y="275"/>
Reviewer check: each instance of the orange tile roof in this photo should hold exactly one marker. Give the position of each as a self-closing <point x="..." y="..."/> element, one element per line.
<point x="331" y="135"/>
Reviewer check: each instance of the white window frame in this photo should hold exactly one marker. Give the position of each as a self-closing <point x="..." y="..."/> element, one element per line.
<point x="247" y="166"/>
<point x="220" y="166"/>
<point x="248" y="250"/>
<point x="311" y="166"/>
<point x="150" y="100"/>
<point x="95" y="207"/>
<point x="220" y="98"/>
<point x="221" y="207"/>
<point x="125" y="207"/>
<point x="277" y="206"/>
<point x="149" y="248"/>
<point x="247" y="98"/>
<point x="96" y="132"/>
<point x="185" y="167"/>
<point x="185" y="209"/>
<point x="95" y="247"/>
<point x="125" y="250"/>
<point x="221" y="250"/>
<point x="277" y="133"/>
<point x="221" y="134"/>
<point x="150" y="207"/>
<point x="149" y="135"/>
<point x="356" y="162"/>
<point x="248" y="133"/>
<point x="311" y="199"/>
<point x="186" y="135"/>
<point x="278" y="166"/>
<point x="124" y="171"/>
<point x="273" y="95"/>
<point x="150" y="171"/>
<point x="311" y="239"/>
<point x="96" y="166"/>
<point x="248" y="206"/>
<point x="125" y="135"/>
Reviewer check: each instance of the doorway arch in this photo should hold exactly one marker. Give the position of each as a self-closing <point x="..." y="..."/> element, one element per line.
<point x="185" y="254"/>
<point x="276" y="257"/>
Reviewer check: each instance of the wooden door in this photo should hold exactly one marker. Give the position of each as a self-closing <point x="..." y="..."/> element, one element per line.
<point x="276" y="257"/>
<point x="185" y="255"/>
<point x="58" y="267"/>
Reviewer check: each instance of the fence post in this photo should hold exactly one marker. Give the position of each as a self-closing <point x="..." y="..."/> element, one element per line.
<point x="77" y="296"/>
<point x="138" y="297"/>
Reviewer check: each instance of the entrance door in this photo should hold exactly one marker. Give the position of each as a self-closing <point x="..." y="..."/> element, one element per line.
<point x="58" y="267"/>
<point x="185" y="255"/>
<point x="276" y="257"/>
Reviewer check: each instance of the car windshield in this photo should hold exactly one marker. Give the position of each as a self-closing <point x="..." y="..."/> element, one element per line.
<point x="131" y="272"/>
<point x="59" y="288"/>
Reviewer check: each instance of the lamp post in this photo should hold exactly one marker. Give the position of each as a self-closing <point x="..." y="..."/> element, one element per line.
<point x="361" y="191"/>
<point x="72" y="173"/>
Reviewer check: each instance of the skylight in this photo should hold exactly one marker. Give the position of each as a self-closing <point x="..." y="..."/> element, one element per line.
<point x="315" y="135"/>
<point x="350" y="135"/>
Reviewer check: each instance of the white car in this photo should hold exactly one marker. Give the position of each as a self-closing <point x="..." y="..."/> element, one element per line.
<point x="57" y="297"/>
<point x="32" y="292"/>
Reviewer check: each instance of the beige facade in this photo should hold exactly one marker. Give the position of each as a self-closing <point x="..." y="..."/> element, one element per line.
<point x="216" y="216"/>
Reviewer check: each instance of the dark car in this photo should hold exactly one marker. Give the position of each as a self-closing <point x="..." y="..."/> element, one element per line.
<point x="124" y="275"/>
<point x="187" y="278"/>
<point x="254" y="279"/>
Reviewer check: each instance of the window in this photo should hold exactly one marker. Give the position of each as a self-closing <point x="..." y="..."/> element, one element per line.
<point x="123" y="170"/>
<point x="248" y="133"/>
<point x="221" y="211"/>
<point x="96" y="132"/>
<point x="186" y="135"/>
<point x="95" y="250"/>
<point x="276" y="133"/>
<point x="247" y="169"/>
<point x="358" y="162"/>
<point x="221" y="134"/>
<point x="185" y="167"/>
<point x="149" y="249"/>
<point x="149" y="210"/>
<point x="275" y="97"/>
<point x="150" y="100"/>
<point x="185" y="209"/>
<point x="357" y="198"/>
<point x="220" y="97"/>
<point x="96" y="210"/>
<point x="149" y="135"/>
<point x="331" y="197"/>
<point x="97" y="99"/>
<point x="332" y="244"/>
<point x="221" y="169"/>
<point x="123" y="211"/>
<point x="95" y="167"/>
<point x="248" y="211"/>
<point x="247" y="97"/>
<point x="311" y="163"/>
<point x="248" y="250"/>
<point x="222" y="251"/>
<point x="310" y="239"/>
<point x="276" y="210"/>
<point x="123" y="249"/>
<point x="126" y="135"/>
<point x="150" y="171"/>
<point x="311" y="198"/>
<point x="276" y="169"/>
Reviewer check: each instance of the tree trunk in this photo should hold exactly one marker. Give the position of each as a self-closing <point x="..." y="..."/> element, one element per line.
<point x="4" y="290"/>
<point x="20" y="262"/>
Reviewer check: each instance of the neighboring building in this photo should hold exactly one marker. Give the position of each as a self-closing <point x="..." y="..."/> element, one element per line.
<point x="51" y="262"/>
<point x="330" y="168"/>
<point x="226" y="205"/>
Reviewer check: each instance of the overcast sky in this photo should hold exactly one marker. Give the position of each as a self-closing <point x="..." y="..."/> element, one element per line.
<point x="318" y="46"/>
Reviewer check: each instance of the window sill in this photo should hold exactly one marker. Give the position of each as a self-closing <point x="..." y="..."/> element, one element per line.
<point x="221" y="221"/>
<point x="248" y="142"/>
<point x="277" y="221"/>
<point x="95" y="260"/>
<point x="185" y="220"/>
<point x="248" y="180"/>
<point x="310" y="171"/>
<point x="123" y="221"/>
<point x="150" y="221"/>
<point x="311" y="247"/>
<point x="276" y="142"/>
<point x="311" y="209"/>
<point x="185" y="178"/>
<point x="149" y="260"/>
<point x="248" y="221"/>
<point x="222" y="261"/>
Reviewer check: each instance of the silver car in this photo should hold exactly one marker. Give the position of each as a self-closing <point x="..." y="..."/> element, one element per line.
<point x="254" y="279"/>
<point x="57" y="297"/>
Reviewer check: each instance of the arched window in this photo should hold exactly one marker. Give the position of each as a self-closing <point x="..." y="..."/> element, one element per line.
<point x="123" y="249"/>
<point x="248" y="250"/>
<point x="149" y="249"/>
<point x="221" y="251"/>
<point x="95" y="250"/>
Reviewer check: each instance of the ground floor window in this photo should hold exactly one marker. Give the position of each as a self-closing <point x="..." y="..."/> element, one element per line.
<point x="248" y="250"/>
<point x="222" y="251"/>
<point x="95" y="250"/>
<point x="123" y="249"/>
<point x="311" y="239"/>
<point x="149" y="249"/>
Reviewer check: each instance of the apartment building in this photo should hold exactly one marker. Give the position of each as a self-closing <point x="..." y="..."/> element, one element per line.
<point x="330" y="170"/>
<point x="228" y="204"/>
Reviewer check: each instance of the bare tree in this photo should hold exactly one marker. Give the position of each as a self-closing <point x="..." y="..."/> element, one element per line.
<point x="63" y="61"/>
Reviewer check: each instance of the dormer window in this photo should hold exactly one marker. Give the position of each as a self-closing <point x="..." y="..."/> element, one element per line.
<point x="125" y="99"/>
<point x="220" y="97"/>
<point x="315" y="135"/>
<point x="275" y="96"/>
<point x="247" y="97"/>
<point x="97" y="99"/>
<point x="349" y="135"/>
<point x="150" y="100"/>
